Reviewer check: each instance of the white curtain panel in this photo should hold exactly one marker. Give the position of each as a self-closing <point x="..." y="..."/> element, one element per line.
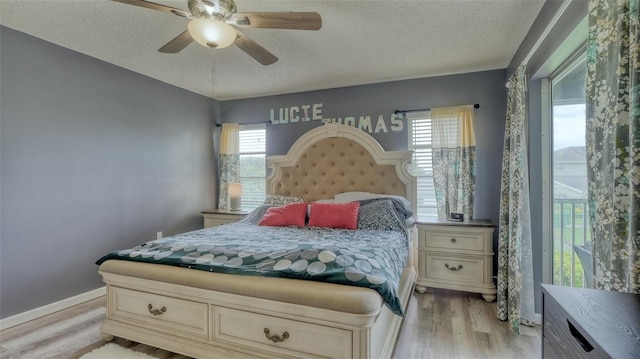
<point x="454" y="159"/>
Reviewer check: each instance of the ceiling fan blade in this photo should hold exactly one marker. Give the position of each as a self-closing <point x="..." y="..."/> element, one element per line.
<point x="177" y="44"/>
<point x="254" y="50"/>
<point x="154" y="6"/>
<point x="278" y="20"/>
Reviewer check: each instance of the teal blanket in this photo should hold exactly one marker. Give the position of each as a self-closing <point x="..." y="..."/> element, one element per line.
<point x="368" y="258"/>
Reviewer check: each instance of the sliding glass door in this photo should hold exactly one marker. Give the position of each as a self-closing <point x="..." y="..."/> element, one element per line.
<point x="568" y="185"/>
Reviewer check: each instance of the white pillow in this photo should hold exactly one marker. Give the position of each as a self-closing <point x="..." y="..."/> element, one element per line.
<point x="328" y="200"/>
<point x="355" y="196"/>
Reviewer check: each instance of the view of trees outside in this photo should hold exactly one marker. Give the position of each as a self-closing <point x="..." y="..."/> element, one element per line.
<point x="253" y="166"/>
<point x="252" y="176"/>
<point x="570" y="212"/>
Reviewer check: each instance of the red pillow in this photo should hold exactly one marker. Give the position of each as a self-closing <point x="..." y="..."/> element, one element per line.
<point x="292" y="214"/>
<point x="334" y="215"/>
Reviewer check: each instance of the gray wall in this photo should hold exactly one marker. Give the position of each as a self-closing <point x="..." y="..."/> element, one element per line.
<point x="485" y="88"/>
<point x="93" y="158"/>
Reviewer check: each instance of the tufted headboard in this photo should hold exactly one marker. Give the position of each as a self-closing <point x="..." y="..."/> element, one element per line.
<point x="336" y="158"/>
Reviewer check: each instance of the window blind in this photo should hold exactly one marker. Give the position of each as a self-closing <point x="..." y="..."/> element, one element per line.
<point x="420" y="142"/>
<point x="253" y="167"/>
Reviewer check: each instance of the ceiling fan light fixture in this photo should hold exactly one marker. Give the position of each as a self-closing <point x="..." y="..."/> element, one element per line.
<point x="212" y="33"/>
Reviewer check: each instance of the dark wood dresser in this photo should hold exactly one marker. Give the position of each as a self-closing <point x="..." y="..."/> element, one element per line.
<point x="589" y="323"/>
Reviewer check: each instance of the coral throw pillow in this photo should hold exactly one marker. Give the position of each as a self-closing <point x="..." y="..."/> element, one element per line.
<point x="334" y="215"/>
<point x="293" y="214"/>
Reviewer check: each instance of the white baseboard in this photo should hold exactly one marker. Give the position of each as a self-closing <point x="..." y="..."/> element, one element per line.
<point x="36" y="313"/>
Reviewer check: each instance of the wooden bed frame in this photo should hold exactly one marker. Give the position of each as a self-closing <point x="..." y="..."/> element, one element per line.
<point x="212" y="315"/>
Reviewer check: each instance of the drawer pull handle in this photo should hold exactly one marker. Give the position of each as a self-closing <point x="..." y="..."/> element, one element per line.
<point x="156" y="311"/>
<point x="276" y="338"/>
<point x="453" y="268"/>
<point x="453" y="240"/>
<point x="584" y="343"/>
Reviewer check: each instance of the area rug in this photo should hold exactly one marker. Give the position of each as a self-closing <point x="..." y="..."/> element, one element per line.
<point x="114" y="351"/>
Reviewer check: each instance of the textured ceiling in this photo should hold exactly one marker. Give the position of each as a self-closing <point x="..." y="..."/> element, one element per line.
<point x="361" y="42"/>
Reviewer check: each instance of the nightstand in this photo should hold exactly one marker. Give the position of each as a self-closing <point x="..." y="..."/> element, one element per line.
<point x="216" y="217"/>
<point x="456" y="255"/>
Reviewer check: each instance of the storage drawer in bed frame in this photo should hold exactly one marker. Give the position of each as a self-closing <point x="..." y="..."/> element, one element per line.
<point x="204" y="323"/>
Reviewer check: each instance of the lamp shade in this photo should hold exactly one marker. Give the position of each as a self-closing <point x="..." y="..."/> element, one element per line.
<point x="235" y="193"/>
<point x="235" y="190"/>
<point x="212" y="33"/>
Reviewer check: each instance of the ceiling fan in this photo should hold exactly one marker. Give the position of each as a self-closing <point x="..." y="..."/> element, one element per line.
<point x="211" y="22"/>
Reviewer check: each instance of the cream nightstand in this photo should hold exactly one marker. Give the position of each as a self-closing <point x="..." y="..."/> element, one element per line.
<point x="456" y="255"/>
<point x="216" y="217"/>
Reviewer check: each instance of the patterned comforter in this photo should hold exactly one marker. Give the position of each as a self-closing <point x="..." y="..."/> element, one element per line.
<point x="372" y="258"/>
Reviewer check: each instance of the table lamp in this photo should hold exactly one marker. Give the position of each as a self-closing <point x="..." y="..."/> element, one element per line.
<point x="235" y="196"/>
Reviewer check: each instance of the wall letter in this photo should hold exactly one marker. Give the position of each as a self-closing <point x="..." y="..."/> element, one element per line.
<point x="317" y="111"/>
<point x="305" y="112"/>
<point x="396" y="122"/>
<point x="365" y="124"/>
<point x="293" y="114"/>
<point x="350" y="121"/>
<point x="380" y="125"/>
<point x="272" y="116"/>
<point x="284" y="115"/>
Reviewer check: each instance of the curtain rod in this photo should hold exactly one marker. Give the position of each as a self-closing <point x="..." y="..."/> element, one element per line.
<point x="477" y="105"/>
<point x="268" y="122"/>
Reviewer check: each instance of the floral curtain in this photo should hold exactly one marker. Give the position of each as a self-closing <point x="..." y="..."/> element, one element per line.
<point x="229" y="161"/>
<point x="613" y="142"/>
<point x="515" y="267"/>
<point x="454" y="159"/>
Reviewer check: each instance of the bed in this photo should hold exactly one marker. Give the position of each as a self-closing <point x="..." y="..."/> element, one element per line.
<point x="208" y="314"/>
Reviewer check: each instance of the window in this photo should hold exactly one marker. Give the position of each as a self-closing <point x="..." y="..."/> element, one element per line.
<point x="567" y="170"/>
<point x="419" y="130"/>
<point x="253" y="167"/>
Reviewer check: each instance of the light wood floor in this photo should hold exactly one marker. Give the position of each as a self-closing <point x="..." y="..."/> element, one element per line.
<point x="443" y="324"/>
<point x="451" y="324"/>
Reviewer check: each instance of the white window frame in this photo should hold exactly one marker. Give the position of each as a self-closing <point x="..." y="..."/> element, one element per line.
<point x="421" y="145"/>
